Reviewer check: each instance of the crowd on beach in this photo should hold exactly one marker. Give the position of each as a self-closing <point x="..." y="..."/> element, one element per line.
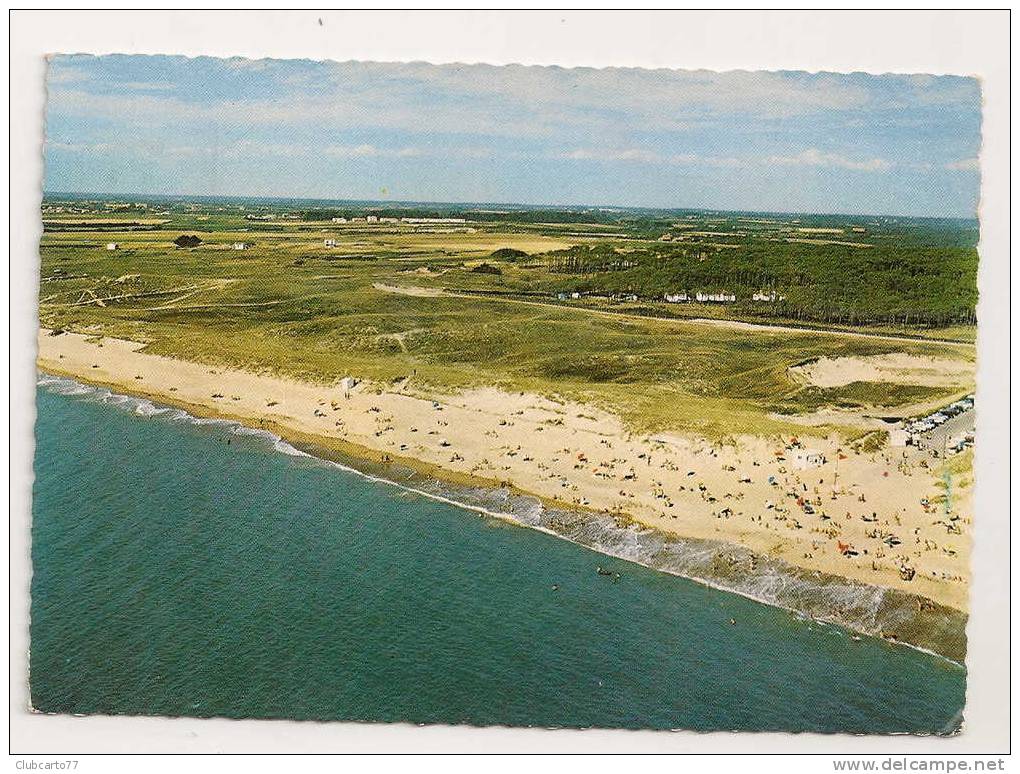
<point x="891" y="517"/>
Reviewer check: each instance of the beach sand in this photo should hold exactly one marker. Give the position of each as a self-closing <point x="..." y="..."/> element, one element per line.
<point x="881" y="518"/>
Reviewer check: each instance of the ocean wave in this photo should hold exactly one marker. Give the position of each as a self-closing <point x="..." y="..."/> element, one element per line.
<point x="285" y="448"/>
<point x="863" y="608"/>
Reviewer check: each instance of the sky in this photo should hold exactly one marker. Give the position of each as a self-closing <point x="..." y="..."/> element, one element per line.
<point x="764" y="141"/>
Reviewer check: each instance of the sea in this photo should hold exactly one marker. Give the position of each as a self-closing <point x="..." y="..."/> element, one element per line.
<point x="195" y="567"/>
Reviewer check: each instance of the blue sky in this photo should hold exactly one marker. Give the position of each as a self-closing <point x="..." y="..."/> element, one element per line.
<point x="784" y="141"/>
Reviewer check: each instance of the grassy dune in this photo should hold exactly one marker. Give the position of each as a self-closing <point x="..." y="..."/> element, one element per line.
<point x="290" y="306"/>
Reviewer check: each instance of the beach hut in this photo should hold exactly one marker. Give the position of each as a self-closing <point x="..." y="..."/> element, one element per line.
<point x="899" y="436"/>
<point x="112" y="246"/>
<point x="804" y="459"/>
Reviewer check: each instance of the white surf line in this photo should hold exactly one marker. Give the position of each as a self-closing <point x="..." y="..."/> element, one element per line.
<point x="510" y="518"/>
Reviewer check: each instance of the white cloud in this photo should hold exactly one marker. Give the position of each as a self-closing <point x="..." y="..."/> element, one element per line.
<point x="526" y="102"/>
<point x="60" y="73"/>
<point x="965" y="165"/>
<point x="813" y="157"/>
<point x="250" y="149"/>
<point x="643" y="156"/>
<point x="146" y="86"/>
<point x="364" y="150"/>
<point x="631" y="154"/>
<point x="79" y="147"/>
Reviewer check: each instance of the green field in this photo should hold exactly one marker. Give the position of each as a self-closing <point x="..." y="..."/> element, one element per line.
<point x="496" y="305"/>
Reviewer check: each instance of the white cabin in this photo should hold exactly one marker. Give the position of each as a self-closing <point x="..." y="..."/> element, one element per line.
<point x="899" y="436"/>
<point x="112" y="246"/>
<point x="804" y="459"/>
<point x="715" y="298"/>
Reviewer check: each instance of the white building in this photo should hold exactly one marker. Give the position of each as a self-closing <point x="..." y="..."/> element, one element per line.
<point x="770" y="296"/>
<point x="434" y="220"/>
<point x="676" y="298"/>
<point x="112" y="246"/>
<point x="372" y="219"/>
<point x="329" y="243"/>
<point x="339" y="220"/>
<point x="241" y="245"/>
<point x="715" y="298"/>
<point x="803" y="459"/>
<point x="899" y="436"/>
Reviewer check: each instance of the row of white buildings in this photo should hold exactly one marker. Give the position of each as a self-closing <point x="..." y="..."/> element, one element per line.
<point x="412" y="221"/>
<point x="719" y="298"/>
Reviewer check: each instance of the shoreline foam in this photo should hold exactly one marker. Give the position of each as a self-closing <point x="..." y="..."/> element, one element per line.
<point x="862" y="608"/>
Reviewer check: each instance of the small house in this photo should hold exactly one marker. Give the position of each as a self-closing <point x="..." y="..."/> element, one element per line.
<point x="329" y="243"/>
<point x="899" y="436"/>
<point x="242" y="245"/>
<point x="804" y="459"/>
<point x="715" y="298"/>
<point x="112" y="246"/>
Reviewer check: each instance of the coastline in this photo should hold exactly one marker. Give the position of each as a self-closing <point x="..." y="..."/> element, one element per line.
<point x="861" y="515"/>
<point x="872" y="610"/>
<point x="372" y="573"/>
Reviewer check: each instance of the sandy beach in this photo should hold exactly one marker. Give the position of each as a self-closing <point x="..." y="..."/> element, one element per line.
<point x="881" y="518"/>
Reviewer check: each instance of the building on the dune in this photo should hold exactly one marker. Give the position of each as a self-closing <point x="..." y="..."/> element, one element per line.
<point x="898" y="437"/>
<point x="242" y="245"/>
<point x="112" y="246"/>
<point x="768" y="296"/>
<point x="676" y="298"/>
<point x="329" y="243"/>
<point x="804" y="459"/>
<point x="434" y="220"/>
<point x="715" y="298"/>
<point x="347" y="384"/>
<point x="339" y="220"/>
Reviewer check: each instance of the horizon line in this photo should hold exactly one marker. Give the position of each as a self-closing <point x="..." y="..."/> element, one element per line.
<point x="563" y="205"/>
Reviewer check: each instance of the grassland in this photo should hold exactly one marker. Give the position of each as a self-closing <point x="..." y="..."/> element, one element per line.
<point x="291" y="306"/>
